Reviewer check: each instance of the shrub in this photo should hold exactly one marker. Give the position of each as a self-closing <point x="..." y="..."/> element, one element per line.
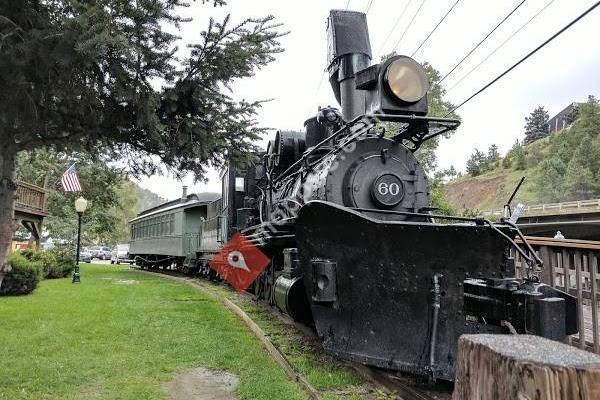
<point x="65" y="261"/>
<point x="23" y="277"/>
<point x="56" y="263"/>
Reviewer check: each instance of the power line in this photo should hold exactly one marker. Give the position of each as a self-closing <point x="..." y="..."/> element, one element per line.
<point x="368" y="6"/>
<point x="347" y="4"/>
<point x="570" y="24"/>
<point x="435" y="28"/>
<point x="483" y="40"/>
<point x="409" y="24"/>
<point x="501" y="45"/>
<point x="395" y="26"/>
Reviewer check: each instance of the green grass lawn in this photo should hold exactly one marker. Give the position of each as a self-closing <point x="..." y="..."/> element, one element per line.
<point x="104" y="340"/>
<point x="334" y="380"/>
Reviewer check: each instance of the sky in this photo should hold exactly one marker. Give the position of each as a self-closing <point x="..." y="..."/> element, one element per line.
<point x="566" y="70"/>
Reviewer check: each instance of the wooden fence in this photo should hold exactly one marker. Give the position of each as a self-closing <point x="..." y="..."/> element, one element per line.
<point x="572" y="266"/>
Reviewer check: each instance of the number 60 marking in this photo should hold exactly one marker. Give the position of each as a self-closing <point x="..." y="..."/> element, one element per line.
<point x="392" y="188"/>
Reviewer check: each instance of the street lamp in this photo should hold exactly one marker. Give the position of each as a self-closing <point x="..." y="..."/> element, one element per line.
<point x="80" y="206"/>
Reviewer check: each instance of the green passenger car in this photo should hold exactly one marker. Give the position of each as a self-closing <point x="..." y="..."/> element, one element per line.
<point x="181" y="234"/>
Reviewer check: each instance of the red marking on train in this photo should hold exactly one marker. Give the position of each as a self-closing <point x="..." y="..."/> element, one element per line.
<point x="239" y="262"/>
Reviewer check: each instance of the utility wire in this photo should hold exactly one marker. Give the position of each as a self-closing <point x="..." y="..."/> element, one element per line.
<point x="409" y="24"/>
<point x="570" y="24"/>
<point x="501" y="45"/>
<point x="483" y="40"/>
<point x="435" y="28"/>
<point x="395" y="26"/>
<point x="368" y="6"/>
<point x="347" y="4"/>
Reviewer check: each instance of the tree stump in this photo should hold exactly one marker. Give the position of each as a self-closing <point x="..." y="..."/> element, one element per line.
<point x="524" y="367"/>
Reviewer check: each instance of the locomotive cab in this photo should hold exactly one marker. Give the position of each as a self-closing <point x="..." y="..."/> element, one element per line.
<point x="239" y="193"/>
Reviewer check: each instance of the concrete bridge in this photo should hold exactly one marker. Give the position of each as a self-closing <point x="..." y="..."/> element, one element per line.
<point x="30" y="209"/>
<point x="575" y="219"/>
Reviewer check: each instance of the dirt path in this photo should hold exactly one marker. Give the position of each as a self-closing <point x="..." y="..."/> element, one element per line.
<point x="202" y="384"/>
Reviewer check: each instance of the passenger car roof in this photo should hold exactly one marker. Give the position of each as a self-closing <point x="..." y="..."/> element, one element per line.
<point x="192" y="200"/>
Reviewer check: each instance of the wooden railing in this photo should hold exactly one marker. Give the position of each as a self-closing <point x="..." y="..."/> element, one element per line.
<point x="30" y="198"/>
<point x="572" y="266"/>
<point x="568" y="207"/>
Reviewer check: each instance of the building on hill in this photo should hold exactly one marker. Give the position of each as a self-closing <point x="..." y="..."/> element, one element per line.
<point x="563" y="119"/>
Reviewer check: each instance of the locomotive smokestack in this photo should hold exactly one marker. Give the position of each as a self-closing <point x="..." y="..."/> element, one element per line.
<point x="184" y="194"/>
<point x="349" y="51"/>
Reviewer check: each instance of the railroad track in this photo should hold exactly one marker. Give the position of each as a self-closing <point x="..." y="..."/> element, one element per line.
<point x="403" y="387"/>
<point x="398" y="386"/>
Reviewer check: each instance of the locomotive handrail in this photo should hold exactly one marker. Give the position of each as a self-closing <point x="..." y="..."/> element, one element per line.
<point x="390" y="117"/>
<point x="455" y="123"/>
<point x="315" y="147"/>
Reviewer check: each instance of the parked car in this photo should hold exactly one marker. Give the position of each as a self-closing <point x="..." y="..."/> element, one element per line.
<point x="84" y="255"/>
<point x="121" y="254"/>
<point x="100" y="252"/>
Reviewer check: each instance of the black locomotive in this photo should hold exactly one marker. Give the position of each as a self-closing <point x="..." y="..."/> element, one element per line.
<point x="343" y="211"/>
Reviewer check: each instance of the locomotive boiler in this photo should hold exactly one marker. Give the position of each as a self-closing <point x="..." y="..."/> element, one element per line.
<point x="343" y="211"/>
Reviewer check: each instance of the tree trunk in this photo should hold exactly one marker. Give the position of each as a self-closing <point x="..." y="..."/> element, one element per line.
<point x="524" y="367"/>
<point x="8" y="189"/>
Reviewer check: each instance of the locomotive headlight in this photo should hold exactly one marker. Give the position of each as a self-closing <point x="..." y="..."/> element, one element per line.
<point x="407" y="80"/>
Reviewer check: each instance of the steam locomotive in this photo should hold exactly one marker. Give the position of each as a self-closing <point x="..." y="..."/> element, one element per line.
<point x="343" y="211"/>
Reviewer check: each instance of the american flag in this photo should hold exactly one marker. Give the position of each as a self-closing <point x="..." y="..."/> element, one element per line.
<point x="69" y="181"/>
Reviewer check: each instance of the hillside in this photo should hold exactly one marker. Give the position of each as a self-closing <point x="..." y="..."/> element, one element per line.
<point x="564" y="166"/>
<point x="147" y="198"/>
<point x="491" y="190"/>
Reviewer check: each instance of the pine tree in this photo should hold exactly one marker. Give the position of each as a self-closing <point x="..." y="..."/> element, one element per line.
<point x="103" y="76"/>
<point x="492" y="157"/>
<point x="493" y="153"/>
<point x="515" y="157"/>
<point x="451" y="172"/>
<point x="536" y="125"/>
<point x="579" y="179"/>
<point x="588" y="118"/>
<point x="520" y="158"/>
<point x="476" y="163"/>
<point x="551" y="179"/>
<point x="572" y="115"/>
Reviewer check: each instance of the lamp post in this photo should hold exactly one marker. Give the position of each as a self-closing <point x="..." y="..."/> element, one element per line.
<point x="80" y="206"/>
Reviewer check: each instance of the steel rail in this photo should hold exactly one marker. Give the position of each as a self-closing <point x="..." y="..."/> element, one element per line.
<point x="393" y="383"/>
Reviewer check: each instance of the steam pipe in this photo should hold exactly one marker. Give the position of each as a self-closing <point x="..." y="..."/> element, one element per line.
<point x="437" y="296"/>
<point x="351" y="99"/>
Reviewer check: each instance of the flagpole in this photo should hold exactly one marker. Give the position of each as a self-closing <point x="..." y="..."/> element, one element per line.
<point x="63" y="174"/>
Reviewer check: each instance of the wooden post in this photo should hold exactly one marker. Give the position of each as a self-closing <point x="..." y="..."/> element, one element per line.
<point x="548" y="272"/>
<point x="593" y="263"/>
<point x="579" y="288"/>
<point x="524" y="367"/>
